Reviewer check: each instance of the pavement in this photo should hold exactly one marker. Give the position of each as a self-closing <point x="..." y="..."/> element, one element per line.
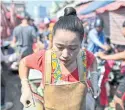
<point x="13" y="88"/>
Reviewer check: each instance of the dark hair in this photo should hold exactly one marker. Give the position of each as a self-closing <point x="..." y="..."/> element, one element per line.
<point x="71" y="22"/>
<point x="99" y="22"/>
<point x="27" y="18"/>
<point x="32" y="19"/>
<point x="123" y="24"/>
<point x="69" y="11"/>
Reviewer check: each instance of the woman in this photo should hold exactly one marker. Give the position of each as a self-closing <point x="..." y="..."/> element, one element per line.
<point x="63" y="68"/>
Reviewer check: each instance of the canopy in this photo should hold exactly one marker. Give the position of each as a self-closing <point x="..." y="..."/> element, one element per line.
<point x="82" y="7"/>
<point x="95" y="5"/>
<point x="111" y="7"/>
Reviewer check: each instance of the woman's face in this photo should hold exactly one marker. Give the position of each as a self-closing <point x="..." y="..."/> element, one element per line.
<point x="66" y="45"/>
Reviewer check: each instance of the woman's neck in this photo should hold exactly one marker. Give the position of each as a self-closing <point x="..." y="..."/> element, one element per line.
<point x="68" y="69"/>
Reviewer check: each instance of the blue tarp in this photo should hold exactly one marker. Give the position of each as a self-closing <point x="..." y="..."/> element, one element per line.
<point x="95" y="5"/>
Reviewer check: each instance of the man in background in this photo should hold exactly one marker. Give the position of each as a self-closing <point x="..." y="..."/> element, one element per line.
<point x="24" y="36"/>
<point x="96" y="38"/>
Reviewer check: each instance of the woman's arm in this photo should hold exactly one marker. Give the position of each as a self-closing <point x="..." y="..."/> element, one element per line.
<point x="26" y="95"/>
<point x="34" y="61"/>
<point x="117" y="56"/>
<point x="31" y="61"/>
<point x="23" y="70"/>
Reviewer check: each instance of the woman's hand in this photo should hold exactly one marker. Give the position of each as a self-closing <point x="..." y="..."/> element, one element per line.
<point x="106" y="47"/>
<point x="119" y="101"/>
<point x="26" y="96"/>
<point x="100" y="54"/>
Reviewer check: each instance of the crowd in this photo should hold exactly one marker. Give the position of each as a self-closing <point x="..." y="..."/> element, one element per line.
<point x="66" y="53"/>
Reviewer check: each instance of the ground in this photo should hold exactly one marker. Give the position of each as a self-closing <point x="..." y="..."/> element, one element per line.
<point x="13" y="91"/>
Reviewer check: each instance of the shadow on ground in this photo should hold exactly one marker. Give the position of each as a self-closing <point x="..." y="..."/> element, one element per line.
<point x="13" y="88"/>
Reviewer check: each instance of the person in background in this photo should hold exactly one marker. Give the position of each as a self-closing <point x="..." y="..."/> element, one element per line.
<point x="120" y="93"/>
<point x="4" y="105"/>
<point x="86" y="31"/>
<point x="31" y="23"/>
<point x="42" y="38"/>
<point x="96" y="38"/>
<point x="51" y="25"/>
<point x="46" y="31"/>
<point x="24" y="36"/>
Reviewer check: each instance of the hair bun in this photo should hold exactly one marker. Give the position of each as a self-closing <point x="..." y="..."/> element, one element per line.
<point x="69" y="11"/>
